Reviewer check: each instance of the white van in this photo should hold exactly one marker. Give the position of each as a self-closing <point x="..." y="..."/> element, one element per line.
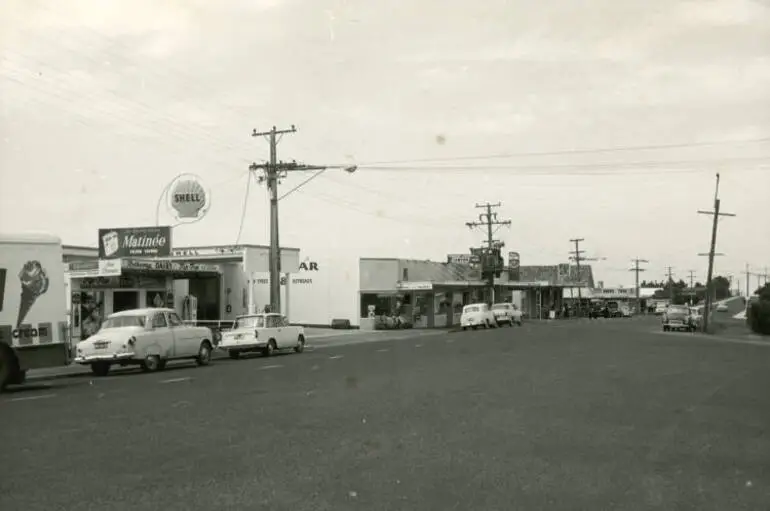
<point x="33" y="303"/>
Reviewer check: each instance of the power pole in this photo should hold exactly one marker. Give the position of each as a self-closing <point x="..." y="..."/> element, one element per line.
<point x="748" y="282"/>
<point x="692" y="284"/>
<point x="274" y="171"/>
<point x="576" y="254"/>
<point x="670" y="275"/>
<point x="712" y="251"/>
<point x="489" y="220"/>
<point x="636" y="269"/>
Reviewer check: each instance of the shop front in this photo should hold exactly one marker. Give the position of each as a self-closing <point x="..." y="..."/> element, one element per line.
<point x="102" y="287"/>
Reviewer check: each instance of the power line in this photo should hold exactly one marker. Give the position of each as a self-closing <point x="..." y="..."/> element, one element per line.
<point x="712" y="252"/>
<point x="489" y="220"/>
<point x="572" y="151"/>
<point x="670" y="276"/>
<point x="244" y="208"/>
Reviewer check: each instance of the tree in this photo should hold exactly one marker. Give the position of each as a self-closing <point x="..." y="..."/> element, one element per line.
<point x="721" y="287"/>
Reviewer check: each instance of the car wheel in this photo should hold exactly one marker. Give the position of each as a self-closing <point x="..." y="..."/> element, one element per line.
<point x="100" y="368"/>
<point x="204" y="354"/>
<point x="269" y="349"/>
<point x="465" y="328"/>
<point x="151" y="363"/>
<point x="300" y="347"/>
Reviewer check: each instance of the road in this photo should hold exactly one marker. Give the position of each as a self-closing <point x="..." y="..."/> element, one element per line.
<point x="578" y="415"/>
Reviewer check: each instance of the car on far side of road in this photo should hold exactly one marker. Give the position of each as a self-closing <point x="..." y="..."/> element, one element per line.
<point x="262" y="333"/>
<point x="626" y="311"/>
<point x="506" y="313"/>
<point x="145" y="337"/>
<point x="477" y="315"/>
<point x="677" y="317"/>
<point x="722" y="307"/>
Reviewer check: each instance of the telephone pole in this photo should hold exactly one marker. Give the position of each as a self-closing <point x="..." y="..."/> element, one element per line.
<point x="576" y="254"/>
<point x="692" y="284"/>
<point x="636" y="269"/>
<point x="748" y="281"/>
<point x="273" y="173"/>
<point x="489" y="220"/>
<point x="712" y="251"/>
<point x="670" y="275"/>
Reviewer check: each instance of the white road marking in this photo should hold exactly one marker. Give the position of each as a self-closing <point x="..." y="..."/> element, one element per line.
<point x="32" y="398"/>
<point x="450" y="340"/>
<point x="383" y="350"/>
<point x="418" y="345"/>
<point x="176" y="380"/>
<point x="335" y="357"/>
<point x="274" y="366"/>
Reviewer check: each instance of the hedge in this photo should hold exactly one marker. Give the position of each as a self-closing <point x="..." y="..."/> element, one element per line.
<point x="759" y="317"/>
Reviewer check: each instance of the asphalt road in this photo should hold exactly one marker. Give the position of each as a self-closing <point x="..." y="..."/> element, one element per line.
<point x="603" y="415"/>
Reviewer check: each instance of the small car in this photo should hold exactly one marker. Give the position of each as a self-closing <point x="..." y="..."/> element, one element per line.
<point x="677" y="317"/>
<point x="148" y="338"/>
<point x="477" y="315"/>
<point x="507" y="313"/>
<point x="262" y="333"/>
<point x="722" y="307"/>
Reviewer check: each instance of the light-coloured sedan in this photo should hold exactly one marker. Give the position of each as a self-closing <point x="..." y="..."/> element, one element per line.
<point x="148" y="338"/>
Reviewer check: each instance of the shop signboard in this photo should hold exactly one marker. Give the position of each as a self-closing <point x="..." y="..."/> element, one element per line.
<point x="514" y="266"/>
<point x="121" y="242"/>
<point x="166" y="265"/>
<point x="188" y="198"/>
<point x="208" y="251"/>
<point x="414" y="286"/>
<point x="99" y="268"/>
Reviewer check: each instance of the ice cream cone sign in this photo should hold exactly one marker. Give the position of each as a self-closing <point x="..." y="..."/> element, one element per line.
<point x="34" y="283"/>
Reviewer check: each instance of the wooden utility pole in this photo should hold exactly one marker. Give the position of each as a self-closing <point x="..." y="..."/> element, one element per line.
<point x="274" y="171"/>
<point x="670" y="275"/>
<point x="576" y="255"/>
<point x="489" y="219"/>
<point x="748" y="281"/>
<point x="636" y="269"/>
<point x="712" y="252"/>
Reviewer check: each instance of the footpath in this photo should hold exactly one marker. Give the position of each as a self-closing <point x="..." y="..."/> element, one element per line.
<point x="317" y="338"/>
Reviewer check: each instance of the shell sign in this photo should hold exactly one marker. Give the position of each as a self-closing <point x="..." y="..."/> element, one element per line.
<point x="188" y="198"/>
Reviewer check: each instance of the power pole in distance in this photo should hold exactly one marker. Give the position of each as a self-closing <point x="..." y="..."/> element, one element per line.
<point x="489" y="219"/>
<point x="670" y="280"/>
<point x="636" y="269"/>
<point x="274" y="171"/>
<point x="692" y="284"/>
<point x="748" y="281"/>
<point x="712" y="251"/>
<point x="576" y="254"/>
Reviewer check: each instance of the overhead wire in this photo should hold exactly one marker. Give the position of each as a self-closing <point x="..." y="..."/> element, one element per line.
<point x="244" y="209"/>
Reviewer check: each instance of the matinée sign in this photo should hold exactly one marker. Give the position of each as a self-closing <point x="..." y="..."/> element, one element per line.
<point x="121" y="242"/>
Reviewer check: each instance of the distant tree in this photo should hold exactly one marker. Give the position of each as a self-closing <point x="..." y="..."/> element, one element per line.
<point x="721" y="287"/>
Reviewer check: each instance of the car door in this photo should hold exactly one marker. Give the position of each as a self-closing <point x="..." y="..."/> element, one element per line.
<point x="162" y="335"/>
<point x="272" y="328"/>
<point x="182" y="337"/>
<point x="288" y="333"/>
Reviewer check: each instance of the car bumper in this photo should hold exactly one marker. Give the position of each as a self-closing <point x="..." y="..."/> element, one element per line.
<point x="103" y="357"/>
<point x="234" y="346"/>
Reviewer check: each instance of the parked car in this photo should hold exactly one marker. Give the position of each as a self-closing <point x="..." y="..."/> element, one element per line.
<point x="626" y="311"/>
<point x="477" y="314"/>
<point x="507" y="313"/>
<point x="148" y="338"/>
<point x="262" y="333"/>
<point x="677" y="317"/>
<point x="660" y="308"/>
<point x="722" y="307"/>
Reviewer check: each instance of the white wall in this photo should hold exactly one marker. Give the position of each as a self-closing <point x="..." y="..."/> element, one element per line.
<point x="316" y="296"/>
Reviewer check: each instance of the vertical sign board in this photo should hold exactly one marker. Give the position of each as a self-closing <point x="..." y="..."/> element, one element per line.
<point x="514" y="263"/>
<point x="124" y="242"/>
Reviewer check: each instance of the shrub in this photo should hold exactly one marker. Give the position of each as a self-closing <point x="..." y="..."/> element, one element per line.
<point x="759" y="317"/>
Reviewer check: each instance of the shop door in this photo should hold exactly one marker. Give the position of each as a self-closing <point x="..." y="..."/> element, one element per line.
<point x="125" y="300"/>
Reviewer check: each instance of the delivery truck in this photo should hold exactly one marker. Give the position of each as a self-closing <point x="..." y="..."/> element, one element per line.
<point x="33" y="303"/>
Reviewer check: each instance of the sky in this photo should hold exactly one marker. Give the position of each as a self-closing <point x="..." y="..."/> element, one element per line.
<point x="606" y="123"/>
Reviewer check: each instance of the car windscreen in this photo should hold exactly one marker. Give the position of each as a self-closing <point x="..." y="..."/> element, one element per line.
<point x="471" y="309"/>
<point x="123" y="321"/>
<point x="250" y="322"/>
<point x="501" y="307"/>
<point x="678" y="310"/>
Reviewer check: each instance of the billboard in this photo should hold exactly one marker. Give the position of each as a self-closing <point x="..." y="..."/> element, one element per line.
<point x="514" y="263"/>
<point x="122" y="242"/>
<point x="463" y="259"/>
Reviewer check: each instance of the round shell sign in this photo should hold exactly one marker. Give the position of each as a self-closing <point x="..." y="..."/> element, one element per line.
<point x="188" y="198"/>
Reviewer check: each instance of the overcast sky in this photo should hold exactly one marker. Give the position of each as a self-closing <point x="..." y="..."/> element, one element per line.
<point x="104" y="102"/>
